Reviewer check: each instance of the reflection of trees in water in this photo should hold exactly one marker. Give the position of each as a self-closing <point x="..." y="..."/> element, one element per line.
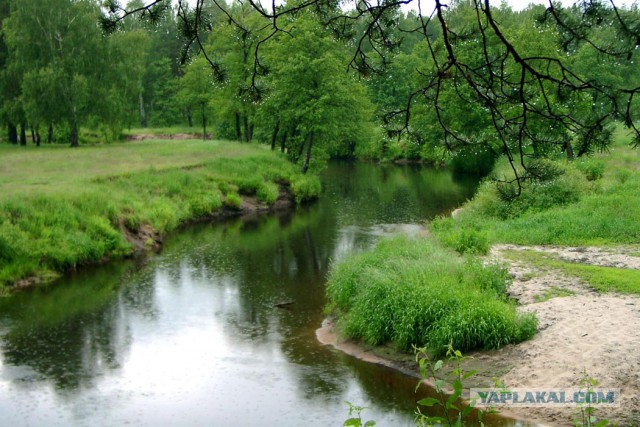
<point x="72" y="333"/>
<point x="69" y="333"/>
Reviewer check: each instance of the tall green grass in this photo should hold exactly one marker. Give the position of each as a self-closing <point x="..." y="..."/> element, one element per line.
<point x="594" y="201"/>
<point x="415" y="292"/>
<point x="55" y="224"/>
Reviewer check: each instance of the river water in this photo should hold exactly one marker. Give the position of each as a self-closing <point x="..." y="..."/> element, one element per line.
<point x="191" y="336"/>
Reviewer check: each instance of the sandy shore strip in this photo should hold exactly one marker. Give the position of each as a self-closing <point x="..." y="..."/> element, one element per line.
<point x="583" y="331"/>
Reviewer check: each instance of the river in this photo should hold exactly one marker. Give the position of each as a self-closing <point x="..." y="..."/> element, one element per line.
<point x="190" y="336"/>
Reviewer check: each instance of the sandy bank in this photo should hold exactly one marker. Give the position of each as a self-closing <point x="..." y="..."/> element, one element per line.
<point x="585" y="331"/>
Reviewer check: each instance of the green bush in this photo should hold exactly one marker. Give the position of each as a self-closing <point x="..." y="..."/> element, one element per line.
<point x="415" y="292"/>
<point x="592" y="169"/>
<point x="472" y="160"/>
<point x="559" y="184"/>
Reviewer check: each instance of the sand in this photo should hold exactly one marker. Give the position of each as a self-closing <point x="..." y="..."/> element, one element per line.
<point x="585" y="331"/>
<point x="599" y="333"/>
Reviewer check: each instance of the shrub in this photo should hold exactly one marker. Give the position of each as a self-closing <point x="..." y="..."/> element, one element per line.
<point x="591" y="168"/>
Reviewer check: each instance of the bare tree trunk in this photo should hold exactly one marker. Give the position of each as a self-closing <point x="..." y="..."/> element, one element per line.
<point x="238" y="131"/>
<point x="13" y="133"/>
<point x="50" y="134"/>
<point x="74" y="134"/>
<point x="274" y="135"/>
<point x="247" y="133"/>
<point x="38" y="136"/>
<point x="568" y="149"/>
<point x="23" y="134"/>
<point x="143" y="113"/>
<point x="33" y="134"/>
<point x="283" y="141"/>
<point x="307" y="157"/>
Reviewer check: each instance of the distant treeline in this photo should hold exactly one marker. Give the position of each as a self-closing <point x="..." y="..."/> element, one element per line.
<point x="328" y="83"/>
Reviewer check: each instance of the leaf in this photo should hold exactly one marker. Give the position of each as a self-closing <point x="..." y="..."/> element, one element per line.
<point x="466" y="411"/>
<point x="438" y="365"/>
<point x="428" y="401"/>
<point x="451" y="400"/>
<point x="356" y="422"/>
<point x="469" y="374"/>
<point x="601" y="423"/>
<point x="370" y="423"/>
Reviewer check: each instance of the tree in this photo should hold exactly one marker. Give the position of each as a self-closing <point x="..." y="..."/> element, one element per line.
<point x="56" y="45"/>
<point x="311" y="95"/>
<point x="195" y="90"/>
<point x="474" y="60"/>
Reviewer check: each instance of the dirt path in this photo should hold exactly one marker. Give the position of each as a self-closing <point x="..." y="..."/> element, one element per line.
<point x="599" y="333"/>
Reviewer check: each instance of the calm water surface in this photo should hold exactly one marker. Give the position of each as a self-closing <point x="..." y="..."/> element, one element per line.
<point x="191" y="336"/>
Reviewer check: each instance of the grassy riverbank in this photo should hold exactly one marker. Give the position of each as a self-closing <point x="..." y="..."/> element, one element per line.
<point x="61" y="208"/>
<point x="435" y="291"/>
<point x="593" y="202"/>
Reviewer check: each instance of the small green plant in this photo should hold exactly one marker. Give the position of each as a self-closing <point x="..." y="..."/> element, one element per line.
<point x="454" y="410"/>
<point x="355" y="417"/>
<point x="585" y="416"/>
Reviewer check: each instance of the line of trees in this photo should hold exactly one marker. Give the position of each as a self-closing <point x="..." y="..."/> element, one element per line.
<point x="315" y="81"/>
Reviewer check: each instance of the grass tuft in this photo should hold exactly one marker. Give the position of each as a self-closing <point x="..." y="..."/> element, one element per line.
<point x="415" y="292"/>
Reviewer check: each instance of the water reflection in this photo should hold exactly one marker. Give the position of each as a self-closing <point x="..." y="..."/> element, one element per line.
<point x="194" y="336"/>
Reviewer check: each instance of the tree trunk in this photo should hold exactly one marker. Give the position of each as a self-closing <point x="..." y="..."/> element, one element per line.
<point x="33" y="134"/>
<point x="283" y="141"/>
<point x="238" y="131"/>
<point x="50" y="134"/>
<point x="23" y="134"/>
<point x="247" y="134"/>
<point x="74" y="134"/>
<point x="189" y="118"/>
<point x="143" y="114"/>
<point x="274" y="135"/>
<point x="568" y="149"/>
<point x="204" y="123"/>
<point x="13" y="133"/>
<point x="307" y="157"/>
<point x="38" y="136"/>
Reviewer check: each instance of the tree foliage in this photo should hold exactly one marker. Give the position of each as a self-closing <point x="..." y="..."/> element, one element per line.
<point x="466" y="80"/>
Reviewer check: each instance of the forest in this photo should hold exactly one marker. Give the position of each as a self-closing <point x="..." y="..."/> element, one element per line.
<point x="318" y="82"/>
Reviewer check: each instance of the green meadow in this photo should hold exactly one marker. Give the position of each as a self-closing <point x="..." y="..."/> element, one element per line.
<point x="62" y="208"/>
